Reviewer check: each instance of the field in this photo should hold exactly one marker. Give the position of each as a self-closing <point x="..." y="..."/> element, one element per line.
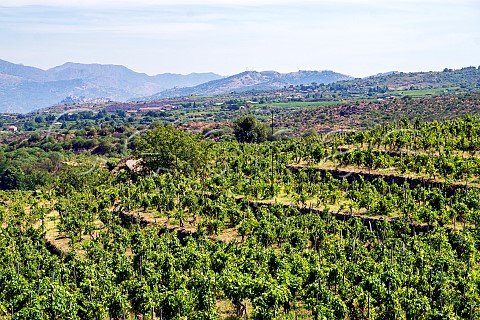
<point x="355" y="209"/>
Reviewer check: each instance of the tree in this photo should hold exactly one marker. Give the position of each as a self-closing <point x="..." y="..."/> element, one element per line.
<point x="34" y="138"/>
<point x="248" y="129"/>
<point x="12" y="178"/>
<point x="168" y="149"/>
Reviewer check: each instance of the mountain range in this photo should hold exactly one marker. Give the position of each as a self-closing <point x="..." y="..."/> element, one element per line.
<point x="24" y="89"/>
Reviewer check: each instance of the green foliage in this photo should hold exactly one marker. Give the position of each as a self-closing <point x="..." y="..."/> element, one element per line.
<point x="285" y="257"/>
<point x="166" y="149"/>
<point x="248" y="129"/>
<point x="12" y="178"/>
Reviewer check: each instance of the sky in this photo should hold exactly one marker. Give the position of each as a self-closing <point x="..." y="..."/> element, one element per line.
<point x="357" y="38"/>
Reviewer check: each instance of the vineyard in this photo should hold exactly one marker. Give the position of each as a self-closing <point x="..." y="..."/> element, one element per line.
<point x="373" y="224"/>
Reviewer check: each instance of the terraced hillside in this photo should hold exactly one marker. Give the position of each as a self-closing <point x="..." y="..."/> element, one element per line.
<point x="344" y="225"/>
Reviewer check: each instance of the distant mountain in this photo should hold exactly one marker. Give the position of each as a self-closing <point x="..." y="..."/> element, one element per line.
<point x="253" y="80"/>
<point x="21" y="71"/>
<point x="23" y="88"/>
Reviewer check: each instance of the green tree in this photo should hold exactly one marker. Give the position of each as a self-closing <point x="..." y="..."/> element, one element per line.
<point x="34" y="138"/>
<point x="12" y="178"/>
<point x="248" y="129"/>
<point x="168" y="149"/>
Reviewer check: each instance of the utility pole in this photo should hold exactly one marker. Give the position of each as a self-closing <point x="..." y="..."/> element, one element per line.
<point x="271" y="159"/>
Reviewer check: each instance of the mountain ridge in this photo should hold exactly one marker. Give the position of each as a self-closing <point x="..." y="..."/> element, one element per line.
<point x="26" y="88"/>
<point x="254" y="80"/>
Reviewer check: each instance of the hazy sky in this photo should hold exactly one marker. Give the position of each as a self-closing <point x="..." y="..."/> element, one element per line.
<point x="358" y="38"/>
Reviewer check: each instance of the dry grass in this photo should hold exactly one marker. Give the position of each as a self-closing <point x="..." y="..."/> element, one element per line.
<point x="228" y="235"/>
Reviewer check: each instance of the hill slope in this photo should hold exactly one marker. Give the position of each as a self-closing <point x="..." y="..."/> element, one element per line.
<point x="468" y="77"/>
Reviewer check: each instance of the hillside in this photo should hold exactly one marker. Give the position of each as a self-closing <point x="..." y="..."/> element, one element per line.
<point x="465" y="78"/>
<point x="365" y="114"/>
<point x="328" y="85"/>
<point x="27" y="88"/>
<point x="254" y="80"/>
<point x="348" y="223"/>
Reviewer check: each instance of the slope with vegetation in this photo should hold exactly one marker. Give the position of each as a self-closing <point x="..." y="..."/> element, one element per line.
<point x="206" y="227"/>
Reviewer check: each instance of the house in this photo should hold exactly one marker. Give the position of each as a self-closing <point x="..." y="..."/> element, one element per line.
<point x="12" y="128"/>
